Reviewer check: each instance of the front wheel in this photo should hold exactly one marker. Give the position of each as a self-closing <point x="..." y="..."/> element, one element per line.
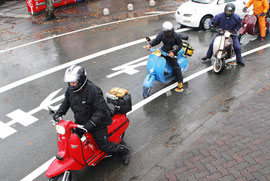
<point x="240" y="38"/>
<point x="66" y="176"/>
<point x="146" y="92"/>
<point x="219" y="65"/>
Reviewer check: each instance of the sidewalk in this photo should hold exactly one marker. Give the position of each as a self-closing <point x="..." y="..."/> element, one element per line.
<point x="18" y="26"/>
<point x="233" y="145"/>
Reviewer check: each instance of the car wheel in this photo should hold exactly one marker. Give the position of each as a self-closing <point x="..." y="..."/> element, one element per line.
<point x="204" y="25"/>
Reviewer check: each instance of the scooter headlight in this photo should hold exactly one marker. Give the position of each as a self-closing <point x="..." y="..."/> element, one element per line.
<point x="227" y="34"/>
<point x="157" y="53"/>
<point x="151" y="71"/>
<point x="60" y="129"/>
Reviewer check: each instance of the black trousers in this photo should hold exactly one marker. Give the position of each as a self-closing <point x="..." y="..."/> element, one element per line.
<point x="100" y="136"/>
<point x="176" y="68"/>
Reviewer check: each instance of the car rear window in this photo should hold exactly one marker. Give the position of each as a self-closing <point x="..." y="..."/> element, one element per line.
<point x="203" y="1"/>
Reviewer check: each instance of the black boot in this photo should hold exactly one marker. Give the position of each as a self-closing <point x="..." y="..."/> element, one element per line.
<point x="123" y="151"/>
<point x="241" y="63"/>
<point x="205" y="57"/>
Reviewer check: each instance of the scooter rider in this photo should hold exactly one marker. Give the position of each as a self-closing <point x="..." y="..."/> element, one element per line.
<point x="260" y="8"/>
<point x="231" y="22"/>
<point x="170" y="38"/>
<point x="90" y="109"/>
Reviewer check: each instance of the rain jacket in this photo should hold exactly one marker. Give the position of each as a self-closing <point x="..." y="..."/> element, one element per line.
<point x="88" y="105"/>
<point x="259" y="6"/>
<point x="168" y="42"/>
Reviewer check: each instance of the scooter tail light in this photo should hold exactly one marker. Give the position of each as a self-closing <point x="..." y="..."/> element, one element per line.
<point x="60" y="129"/>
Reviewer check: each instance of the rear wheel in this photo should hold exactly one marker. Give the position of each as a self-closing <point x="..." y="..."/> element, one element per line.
<point x="219" y="66"/>
<point x="146" y="92"/>
<point x="204" y="25"/>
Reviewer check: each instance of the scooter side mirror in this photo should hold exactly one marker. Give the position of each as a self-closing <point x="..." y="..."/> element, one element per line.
<point x="51" y="111"/>
<point x="148" y="39"/>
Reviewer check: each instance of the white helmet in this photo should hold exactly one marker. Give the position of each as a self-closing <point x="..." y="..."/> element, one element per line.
<point x="73" y="74"/>
<point x="167" y="26"/>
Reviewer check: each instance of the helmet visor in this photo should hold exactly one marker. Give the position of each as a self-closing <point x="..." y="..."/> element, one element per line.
<point x="71" y="77"/>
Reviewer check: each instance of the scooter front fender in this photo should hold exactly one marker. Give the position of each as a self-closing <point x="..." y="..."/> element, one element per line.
<point x="242" y="31"/>
<point x="57" y="167"/>
<point x="149" y="80"/>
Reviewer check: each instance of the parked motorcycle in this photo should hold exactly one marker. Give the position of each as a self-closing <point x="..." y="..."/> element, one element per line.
<point x="250" y="25"/>
<point x="159" y="70"/>
<point x="222" y="50"/>
<point x="74" y="152"/>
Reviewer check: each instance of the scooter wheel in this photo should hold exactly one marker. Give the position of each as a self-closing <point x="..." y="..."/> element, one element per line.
<point x="219" y="66"/>
<point x="146" y="92"/>
<point x="240" y="38"/>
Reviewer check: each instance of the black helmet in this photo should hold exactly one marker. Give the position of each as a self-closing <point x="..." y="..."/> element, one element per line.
<point x="229" y="9"/>
<point x="73" y="74"/>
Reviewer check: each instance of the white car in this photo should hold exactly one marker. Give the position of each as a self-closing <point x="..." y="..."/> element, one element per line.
<point x="198" y="13"/>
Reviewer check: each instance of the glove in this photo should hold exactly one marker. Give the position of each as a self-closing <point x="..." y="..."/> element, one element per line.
<point x="56" y="116"/>
<point x="213" y="29"/>
<point x="262" y="15"/>
<point x="89" y="126"/>
<point x="244" y="9"/>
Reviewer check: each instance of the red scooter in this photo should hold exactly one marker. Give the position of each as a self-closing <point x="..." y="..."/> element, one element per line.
<point x="75" y="153"/>
<point x="250" y="25"/>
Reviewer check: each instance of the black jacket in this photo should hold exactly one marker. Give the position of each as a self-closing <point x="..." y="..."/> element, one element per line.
<point x="168" y="42"/>
<point x="88" y="105"/>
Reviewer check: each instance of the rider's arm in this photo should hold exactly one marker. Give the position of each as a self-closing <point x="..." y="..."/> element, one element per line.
<point x="99" y="107"/>
<point x="157" y="40"/>
<point x="179" y="43"/>
<point x="214" y="22"/>
<point x="249" y="3"/>
<point x="65" y="105"/>
<point x="266" y="6"/>
<point x="239" y="23"/>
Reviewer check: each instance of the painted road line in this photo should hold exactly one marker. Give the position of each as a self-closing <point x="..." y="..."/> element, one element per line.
<point x="39" y="170"/>
<point x="36" y="173"/>
<point x="77" y="61"/>
<point x="83" y="29"/>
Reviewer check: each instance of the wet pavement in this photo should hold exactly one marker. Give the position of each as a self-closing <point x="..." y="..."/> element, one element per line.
<point x="157" y="130"/>
<point x="233" y="144"/>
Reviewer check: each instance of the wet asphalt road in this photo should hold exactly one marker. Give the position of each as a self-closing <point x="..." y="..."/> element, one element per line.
<point x="33" y="145"/>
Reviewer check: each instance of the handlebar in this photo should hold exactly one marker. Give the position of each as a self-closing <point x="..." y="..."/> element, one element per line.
<point x="162" y="52"/>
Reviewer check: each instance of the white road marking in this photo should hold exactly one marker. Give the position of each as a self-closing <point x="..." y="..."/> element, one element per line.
<point x="83" y="29"/>
<point x="27" y="118"/>
<point x="128" y="68"/>
<point x="38" y="171"/>
<point x="77" y="61"/>
<point x="45" y="166"/>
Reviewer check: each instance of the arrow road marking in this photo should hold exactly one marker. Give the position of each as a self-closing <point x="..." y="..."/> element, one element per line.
<point x="128" y="68"/>
<point x="26" y="118"/>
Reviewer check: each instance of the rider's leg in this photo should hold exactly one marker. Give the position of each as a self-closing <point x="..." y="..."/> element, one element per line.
<point x="262" y="26"/>
<point x="209" y="51"/>
<point x="237" y="50"/>
<point x="101" y="138"/>
<point x="177" y="72"/>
